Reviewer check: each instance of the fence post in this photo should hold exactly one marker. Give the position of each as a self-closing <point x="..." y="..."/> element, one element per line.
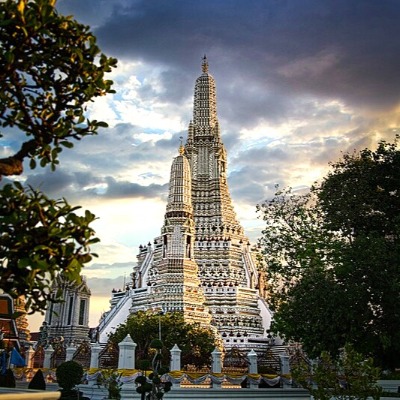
<point x="253" y="367"/>
<point x="216" y="366"/>
<point x="94" y="355"/>
<point x="126" y="358"/>
<point x="29" y="357"/>
<point x="94" y="363"/>
<point x="48" y="352"/>
<point x="285" y="369"/>
<point x="69" y="352"/>
<point x="175" y="358"/>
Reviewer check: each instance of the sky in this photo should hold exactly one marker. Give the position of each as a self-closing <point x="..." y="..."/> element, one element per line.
<point x="299" y="82"/>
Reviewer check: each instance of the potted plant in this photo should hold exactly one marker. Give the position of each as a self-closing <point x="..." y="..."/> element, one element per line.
<point x="111" y="380"/>
<point x="153" y="388"/>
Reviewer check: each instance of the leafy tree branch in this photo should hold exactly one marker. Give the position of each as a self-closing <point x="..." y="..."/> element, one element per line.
<point x="50" y="68"/>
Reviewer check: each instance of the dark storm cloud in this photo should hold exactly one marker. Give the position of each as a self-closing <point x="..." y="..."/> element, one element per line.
<point x="257" y="173"/>
<point x="334" y="48"/>
<point x="257" y="170"/>
<point x="258" y="156"/>
<point x="86" y="185"/>
<point x="52" y="183"/>
<point x="118" y="189"/>
<point x="245" y="188"/>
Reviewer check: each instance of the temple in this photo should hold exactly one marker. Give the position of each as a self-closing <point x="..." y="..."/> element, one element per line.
<point x="201" y="264"/>
<point x="67" y="321"/>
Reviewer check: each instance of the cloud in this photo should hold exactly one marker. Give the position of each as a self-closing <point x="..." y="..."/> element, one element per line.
<point x="102" y="287"/>
<point x="327" y="48"/>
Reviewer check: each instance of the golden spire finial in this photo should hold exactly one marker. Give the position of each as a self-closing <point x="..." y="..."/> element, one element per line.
<point x="204" y="64"/>
<point x="181" y="148"/>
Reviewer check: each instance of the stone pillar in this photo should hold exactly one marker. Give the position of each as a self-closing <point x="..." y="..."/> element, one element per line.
<point x="175" y="358"/>
<point x="216" y="361"/>
<point x="253" y="368"/>
<point x="94" y="355"/>
<point x="285" y="369"/>
<point x="69" y="352"/>
<point x="126" y="353"/>
<point x="29" y="357"/>
<point x="252" y="356"/>
<point x="127" y="361"/>
<point x="216" y="366"/>
<point x="47" y="356"/>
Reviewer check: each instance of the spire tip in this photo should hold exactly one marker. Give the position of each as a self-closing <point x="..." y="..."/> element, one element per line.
<point x="204" y="64"/>
<point x="181" y="148"/>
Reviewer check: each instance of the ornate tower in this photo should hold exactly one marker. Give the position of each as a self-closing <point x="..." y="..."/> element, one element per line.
<point x="222" y="251"/>
<point x="201" y="264"/>
<point x="69" y="320"/>
<point x="172" y="277"/>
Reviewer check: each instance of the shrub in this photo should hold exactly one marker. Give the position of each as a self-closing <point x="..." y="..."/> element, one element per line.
<point x="37" y="381"/>
<point x="7" y="380"/>
<point x="350" y="376"/>
<point x="69" y="374"/>
<point x="111" y="380"/>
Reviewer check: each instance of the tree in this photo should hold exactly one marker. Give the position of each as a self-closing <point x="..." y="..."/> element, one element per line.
<point x="348" y="377"/>
<point x="334" y="257"/>
<point x="361" y="199"/>
<point x="361" y="193"/>
<point x="39" y="238"/>
<point x="293" y="240"/>
<point x="48" y="74"/>
<point x="50" y="68"/>
<point x="196" y="342"/>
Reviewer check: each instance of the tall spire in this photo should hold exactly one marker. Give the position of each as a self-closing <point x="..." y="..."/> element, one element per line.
<point x="226" y="266"/>
<point x="180" y="186"/>
<point x="205" y="103"/>
<point x="173" y="273"/>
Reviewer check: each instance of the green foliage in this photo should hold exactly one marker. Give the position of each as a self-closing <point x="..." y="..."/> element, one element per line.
<point x="361" y="194"/>
<point x="156" y="344"/>
<point x="333" y="258"/>
<point x="50" y="68"/>
<point x="40" y="237"/>
<point x="111" y="380"/>
<point x="196" y="342"/>
<point x="69" y="374"/>
<point x="315" y="314"/>
<point x="348" y="377"/>
<point x="153" y="387"/>
<point x="294" y="240"/>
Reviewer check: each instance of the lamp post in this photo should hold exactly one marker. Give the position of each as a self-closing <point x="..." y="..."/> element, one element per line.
<point x="162" y="312"/>
<point x="159" y="324"/>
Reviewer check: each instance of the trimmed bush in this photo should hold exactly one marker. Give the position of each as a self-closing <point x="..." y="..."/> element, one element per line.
<point x="7" y="380"/>
<point x="37" y="381"/>
<point x="69" y="374"/>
